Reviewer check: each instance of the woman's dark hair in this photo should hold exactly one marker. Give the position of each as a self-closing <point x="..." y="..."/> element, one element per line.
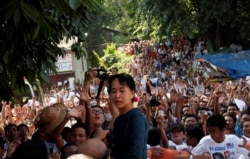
<point x="124" y="79"/>
<point x="232" y="116"/>
<point x="80" y="125"/>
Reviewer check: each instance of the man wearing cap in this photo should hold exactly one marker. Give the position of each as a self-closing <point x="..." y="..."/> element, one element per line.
<point x="177" y="137"/>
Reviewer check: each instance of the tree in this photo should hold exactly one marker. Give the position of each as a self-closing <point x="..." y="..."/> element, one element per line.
<point x="113" y="59"/>
<point x="30" y="34"/>
<point x="219" y="21"/>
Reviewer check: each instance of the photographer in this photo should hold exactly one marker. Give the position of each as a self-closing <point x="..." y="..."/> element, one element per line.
<point x="95" y="116"/>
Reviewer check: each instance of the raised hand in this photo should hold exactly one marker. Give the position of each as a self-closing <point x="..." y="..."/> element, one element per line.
<point x="76" y="112"/>
<point x="12" y="147"/>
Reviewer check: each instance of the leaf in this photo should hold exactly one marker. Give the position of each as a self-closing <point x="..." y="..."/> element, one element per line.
<point x="74" y="4"/>
<point x="10" y="11"/>
<point x="44" y="76"/>
<point x="16" y="16"/>
<point x="29" y="11"/>
<point x="36" y="31"/>
<point x="1" y="68"/>
<point x="6" y="58"/>
<point x="29" y="62"/>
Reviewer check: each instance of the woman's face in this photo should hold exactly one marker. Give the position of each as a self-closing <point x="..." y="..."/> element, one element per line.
<point x="121" y="96"/>
<point x="230" y="122"/>
<point x="246" y="128"/>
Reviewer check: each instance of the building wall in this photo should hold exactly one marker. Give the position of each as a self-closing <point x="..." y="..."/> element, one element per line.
<point x="70" y="70"/>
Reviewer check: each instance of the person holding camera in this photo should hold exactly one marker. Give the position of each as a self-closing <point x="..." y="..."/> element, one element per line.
<point x="95" y="115"/>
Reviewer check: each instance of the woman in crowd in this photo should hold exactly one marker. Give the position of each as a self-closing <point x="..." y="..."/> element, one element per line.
<point x="231" y="122"/>
<point x="130" y="127"/>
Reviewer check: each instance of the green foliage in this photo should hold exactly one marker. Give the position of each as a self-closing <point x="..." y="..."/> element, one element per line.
<point x="164" y="18"/>
<point x="113" y="59"/>
<point x="121" y="39"/>
<point x="218" y="21"/>
<point x="30" y="34"/>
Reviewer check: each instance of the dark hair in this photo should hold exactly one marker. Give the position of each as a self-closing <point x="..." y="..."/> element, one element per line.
<point x="63" y="153"/>
<point x="231" y="116"/>
<point x="22" y="125"/>
<point x="195" y="131"/>
<point x="244" y="123"/>
<point x="191" y="115"/>
<point x="216" y="121"/>
<point x="65" y="132"/>
<point x="31" y="149"/>
<point x="154" y="136"/>
<point x="6" y="129"/>
<point x="80" y="125"/>
<point x="246" y="111"/>
<point x="124" y="79"/>
<point x="201" y="108"/>
<point x="185" y="106"/>
<point x="232" y="104"/>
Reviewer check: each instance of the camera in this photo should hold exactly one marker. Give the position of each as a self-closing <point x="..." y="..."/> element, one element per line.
<point x="161" y="113"/>
<point x="102" y="73"/>
<point x="154" y="102"/>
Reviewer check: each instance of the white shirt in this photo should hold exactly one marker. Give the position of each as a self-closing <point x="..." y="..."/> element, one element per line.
<point x="228" y="149"/>
<point x="178" y="147"/>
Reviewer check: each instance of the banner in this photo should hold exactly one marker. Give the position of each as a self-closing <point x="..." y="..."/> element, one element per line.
<point x="236" y="65"/>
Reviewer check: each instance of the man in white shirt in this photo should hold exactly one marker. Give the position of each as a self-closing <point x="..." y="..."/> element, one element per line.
<point x="217" y="145"/>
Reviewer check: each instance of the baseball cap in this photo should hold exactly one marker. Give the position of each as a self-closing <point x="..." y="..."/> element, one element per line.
<point x="176" y="126"/>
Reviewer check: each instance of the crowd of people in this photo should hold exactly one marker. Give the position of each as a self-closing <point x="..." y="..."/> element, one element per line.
<point x="167" y="105"/>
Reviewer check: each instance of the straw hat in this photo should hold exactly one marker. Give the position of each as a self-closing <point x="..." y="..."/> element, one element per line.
<point x="51" y="117"/>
